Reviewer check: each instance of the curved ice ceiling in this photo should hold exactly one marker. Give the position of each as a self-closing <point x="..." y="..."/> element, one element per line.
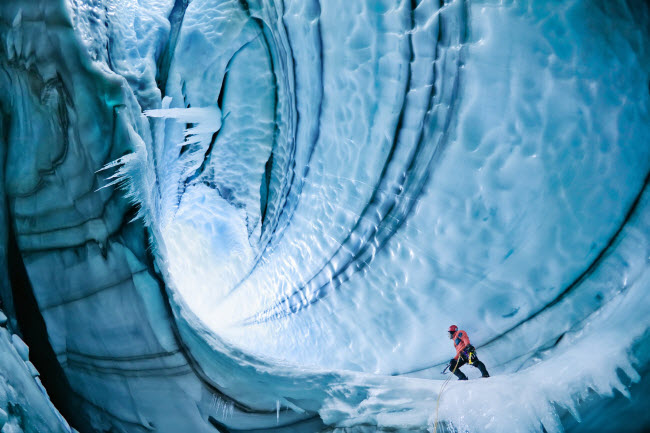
<point x="325" y="188"/>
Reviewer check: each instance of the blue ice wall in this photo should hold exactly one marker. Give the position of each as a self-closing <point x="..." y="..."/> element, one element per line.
<point x="244" y="216"/>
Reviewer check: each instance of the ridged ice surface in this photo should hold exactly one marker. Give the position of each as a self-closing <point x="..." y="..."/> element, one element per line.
<point x="312" y="192"/>
<point x="405" y="223"/>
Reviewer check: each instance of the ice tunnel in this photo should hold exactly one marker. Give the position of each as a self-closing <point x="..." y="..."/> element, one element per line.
<point x="261" y="216"/>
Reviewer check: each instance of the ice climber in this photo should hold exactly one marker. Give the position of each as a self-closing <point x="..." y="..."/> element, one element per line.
<point x="465" y="354"/>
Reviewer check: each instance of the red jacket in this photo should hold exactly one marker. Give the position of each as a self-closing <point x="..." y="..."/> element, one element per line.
<point x="461" y="341"/>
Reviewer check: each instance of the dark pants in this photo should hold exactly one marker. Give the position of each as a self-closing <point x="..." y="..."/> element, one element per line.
<point x="464" y="358"/>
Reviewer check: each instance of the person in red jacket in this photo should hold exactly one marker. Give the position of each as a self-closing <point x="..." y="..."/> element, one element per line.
<point x="465" y="353"/>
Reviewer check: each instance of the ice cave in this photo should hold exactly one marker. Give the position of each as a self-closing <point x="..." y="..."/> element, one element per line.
<point x="262" y="216"/>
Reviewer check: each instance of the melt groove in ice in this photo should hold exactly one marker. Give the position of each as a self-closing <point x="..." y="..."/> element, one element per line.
<point x="311" y="192"/>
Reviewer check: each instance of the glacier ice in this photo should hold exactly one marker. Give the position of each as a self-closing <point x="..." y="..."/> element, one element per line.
<point x="259" y="215"/>
<point x="24" y="403"/>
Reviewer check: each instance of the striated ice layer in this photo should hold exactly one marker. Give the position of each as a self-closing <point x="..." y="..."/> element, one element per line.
<point x="24" y="403"/>
<point x="504" y="221"/>
<point x="312" y="192"/>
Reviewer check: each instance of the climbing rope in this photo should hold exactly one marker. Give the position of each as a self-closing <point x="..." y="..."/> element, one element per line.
<point x="442" y="388"/>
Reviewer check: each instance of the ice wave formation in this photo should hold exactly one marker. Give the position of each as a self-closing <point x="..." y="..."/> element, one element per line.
<point x="262" y="215"/>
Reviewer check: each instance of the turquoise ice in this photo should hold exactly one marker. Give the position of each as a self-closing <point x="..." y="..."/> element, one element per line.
<point x="261" y="215"/>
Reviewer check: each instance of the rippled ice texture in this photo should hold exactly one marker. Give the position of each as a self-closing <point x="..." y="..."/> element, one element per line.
<point x="329" y="185"/>
<point x="383" y="172"/>
<point x="470" y="164"/>
<point x="538" y="155"/>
